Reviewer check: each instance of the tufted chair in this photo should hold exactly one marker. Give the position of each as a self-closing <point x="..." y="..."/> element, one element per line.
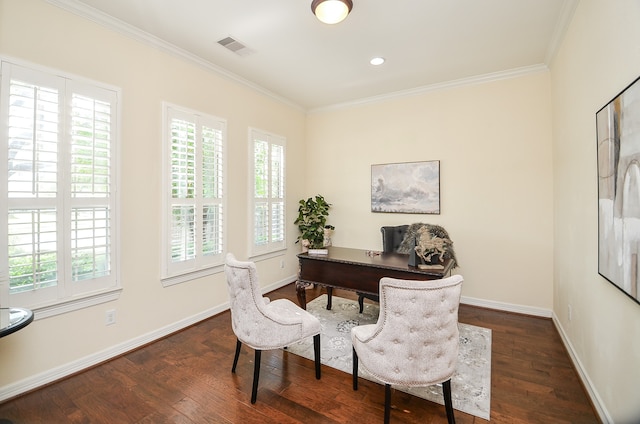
<point x="261" y="324"/>
<point x="415" y="340"/>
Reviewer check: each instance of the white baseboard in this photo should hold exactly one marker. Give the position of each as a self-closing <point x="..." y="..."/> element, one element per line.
<point x="602" y="412"/>
<point x="54" y="374"/>
<point x="49" y="376"/>
<point x="598" y="404"/>
<point x="507" y="307"/>
<point x="279" y="284"/>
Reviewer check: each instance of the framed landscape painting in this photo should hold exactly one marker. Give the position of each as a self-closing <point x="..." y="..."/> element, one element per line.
<point x="410" y="187"/>
<point x="618" y="136"/>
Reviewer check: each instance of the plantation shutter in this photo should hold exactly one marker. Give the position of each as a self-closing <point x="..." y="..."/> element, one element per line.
<point x="33" y="208"/>
<point x="196" y="187"/>
<point x="92" y="191"/>
<point x="268" y="192"/>
<point x="58" y="185"/>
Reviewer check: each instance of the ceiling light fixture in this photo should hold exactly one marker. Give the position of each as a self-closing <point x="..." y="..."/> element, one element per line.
<point x="376" y="61"/>
<point x="331" y="11"/>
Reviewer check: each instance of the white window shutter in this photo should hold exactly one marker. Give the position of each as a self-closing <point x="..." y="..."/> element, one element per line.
<point x="268" y="201"/>
<point x="195" y="178"/>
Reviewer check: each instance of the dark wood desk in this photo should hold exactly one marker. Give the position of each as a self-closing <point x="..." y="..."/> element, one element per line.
<point x="354" y="269"/>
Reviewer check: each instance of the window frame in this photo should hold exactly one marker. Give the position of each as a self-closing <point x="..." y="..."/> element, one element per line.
<point x="67" y="295"/>
<point x="271" y="247"/>
<point x="176" y="272"/>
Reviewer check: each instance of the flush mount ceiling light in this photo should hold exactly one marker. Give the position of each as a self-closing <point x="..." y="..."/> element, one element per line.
<point x="331" y="11"/>
<point x="376" y="61"/>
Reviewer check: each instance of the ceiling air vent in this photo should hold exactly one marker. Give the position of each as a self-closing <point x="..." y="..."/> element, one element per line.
<point x="235" y="46"/>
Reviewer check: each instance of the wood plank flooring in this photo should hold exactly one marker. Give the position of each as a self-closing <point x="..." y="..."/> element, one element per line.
<point x="186" y="378"/>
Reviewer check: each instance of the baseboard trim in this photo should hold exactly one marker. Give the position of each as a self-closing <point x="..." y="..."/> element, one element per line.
<point x="593" y="394"/>
<point x="39" y="380"/>
<point x="50" y="376"/>
<point x="36" y="381"/>
<point x="507" y="307"/>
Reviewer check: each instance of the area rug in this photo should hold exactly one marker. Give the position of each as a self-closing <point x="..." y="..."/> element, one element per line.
<point x="470" y="385"/>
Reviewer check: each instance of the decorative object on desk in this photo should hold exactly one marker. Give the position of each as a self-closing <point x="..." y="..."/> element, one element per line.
<point x="312" y="221"/>
<point x="432" y="266"/>
<point x="426" y="241"/>
<point x="618" y="136"/>
<point x="430" y="247"/>
<point x="412" y="187"/>
<point x="470" y="385"/>
<point x="318" y="251"/>
<point x="328" y="233"/>
<point x="414" y="260"/>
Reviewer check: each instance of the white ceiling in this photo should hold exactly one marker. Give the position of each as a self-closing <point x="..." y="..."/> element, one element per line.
<point x="427" y="43"/>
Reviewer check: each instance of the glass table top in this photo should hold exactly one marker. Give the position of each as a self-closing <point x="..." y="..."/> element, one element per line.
<point x="13" y="319"/>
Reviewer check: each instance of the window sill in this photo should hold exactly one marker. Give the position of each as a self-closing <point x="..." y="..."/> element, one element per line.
<point x="261" y="256"/>
<point x="76" y="304"/>
<point x="182" y="278"/>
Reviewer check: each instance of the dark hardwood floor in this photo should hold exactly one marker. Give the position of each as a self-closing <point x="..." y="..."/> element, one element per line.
<point x="186" y="378"/>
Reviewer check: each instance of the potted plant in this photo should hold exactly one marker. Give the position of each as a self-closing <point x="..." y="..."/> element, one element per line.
<point x="311" y="221"/>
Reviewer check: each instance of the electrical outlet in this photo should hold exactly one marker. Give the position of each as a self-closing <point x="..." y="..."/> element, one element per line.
<point x="569" y="312"/>
<point x="110" y="317"/>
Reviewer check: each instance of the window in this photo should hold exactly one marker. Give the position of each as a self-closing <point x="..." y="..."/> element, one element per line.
<point x="58" y="185"/>
<point x="194" y="186"/>
<point x="268" y="202"/>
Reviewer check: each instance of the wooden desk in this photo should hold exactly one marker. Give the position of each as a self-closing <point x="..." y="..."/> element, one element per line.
<point x="354" y="269"/>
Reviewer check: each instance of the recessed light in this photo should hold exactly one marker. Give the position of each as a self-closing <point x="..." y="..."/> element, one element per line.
<point x="377" y="61"/>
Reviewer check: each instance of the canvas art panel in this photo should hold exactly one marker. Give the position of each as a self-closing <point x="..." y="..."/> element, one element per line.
<point x="410" y="187"/>
<point x="618" y="135"/>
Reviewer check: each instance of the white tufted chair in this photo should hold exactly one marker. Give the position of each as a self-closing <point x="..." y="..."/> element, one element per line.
<point x="415" y="341"/>
<point x="261" y="324"/>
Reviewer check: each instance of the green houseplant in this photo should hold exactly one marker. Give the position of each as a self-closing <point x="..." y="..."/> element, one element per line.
<point x="312" y="220"/>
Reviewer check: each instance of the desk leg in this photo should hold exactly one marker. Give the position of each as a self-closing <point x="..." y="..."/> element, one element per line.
<point x="301" y="291"/>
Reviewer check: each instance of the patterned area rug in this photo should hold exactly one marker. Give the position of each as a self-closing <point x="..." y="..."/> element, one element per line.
<point x="470" y="385"/>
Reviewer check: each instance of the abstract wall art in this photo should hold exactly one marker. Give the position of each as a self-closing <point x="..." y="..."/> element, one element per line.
<point x="618" y="136"/>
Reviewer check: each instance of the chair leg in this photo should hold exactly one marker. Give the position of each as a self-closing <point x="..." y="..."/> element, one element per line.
<point x="355" y="370"/>
<point x="387" y="403"/>
<point x="235" y="358"/>
<point x="256" y="376"/>
<point x="329" y="297"/>
<point x="316" y="354"/>
<point x="446" y="391"/>
<point x="361" y="301"/>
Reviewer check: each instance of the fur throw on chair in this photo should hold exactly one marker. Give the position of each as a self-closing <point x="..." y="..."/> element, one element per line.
<point x="413" y="234"/>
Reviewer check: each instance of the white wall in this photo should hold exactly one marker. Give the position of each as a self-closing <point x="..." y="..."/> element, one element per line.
<point x="599" y="57"/>
<point x="34" y="31"/>
<point x="493" y="141"/>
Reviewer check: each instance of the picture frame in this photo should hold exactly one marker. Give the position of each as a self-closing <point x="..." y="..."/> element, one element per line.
<point x="409" y="187"/>
<point x="618" y="155"/>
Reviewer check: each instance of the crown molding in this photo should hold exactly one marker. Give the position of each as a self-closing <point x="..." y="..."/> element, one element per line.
<point x="447" y="85"/>
<point x="87" y="12"/>
<point x="101" y="18"/>
<point x="564" y="20"/>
